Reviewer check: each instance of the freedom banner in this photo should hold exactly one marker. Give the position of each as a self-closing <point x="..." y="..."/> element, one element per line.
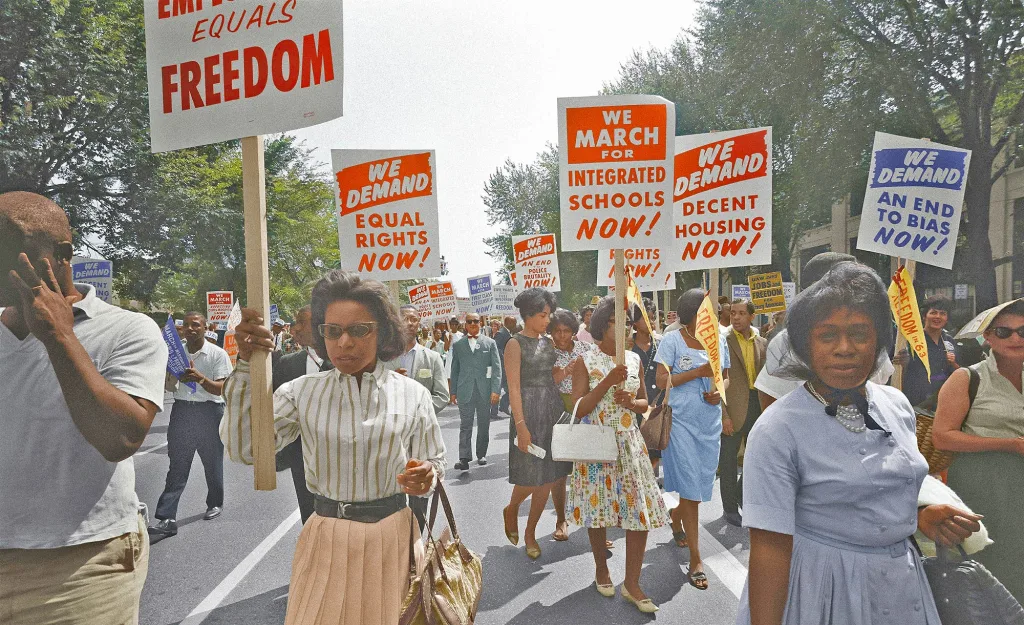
<point x="97" y="273"/>
<point x="767" y="293"/>
<point x="218" y="307"/>
<point x="177" y="359"/>
<point x="914" y="199"/>
<point x="504" y="298"/>
<point x="481" y="293"/>
<point x="723" y="199"/>
<point x="706" y="332"/>
<point x="536" y="258"/>
<point x="435" y="301"/>
<point x="387" y="213"/>
<point x="903" y="302"/>
<point x="226" y="70"/>
<point x="615" y="171"/>
<point x="645" y="266"/>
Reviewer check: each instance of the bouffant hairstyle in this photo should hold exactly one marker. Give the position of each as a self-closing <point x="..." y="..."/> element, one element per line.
<point x="603" y="313"/>
<point x="340" y="285"/>
<point x="563" y="317"/>
<point x="688" y="304"/>
<point x="533" y="300"/>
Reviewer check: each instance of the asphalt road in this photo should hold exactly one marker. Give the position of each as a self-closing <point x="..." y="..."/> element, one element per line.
<point x="235" y="569"/>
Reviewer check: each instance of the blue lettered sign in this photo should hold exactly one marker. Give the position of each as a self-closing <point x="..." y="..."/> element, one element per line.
<point x="481" y="294"/>
<point x="177" y="359"/>
<point x="98" y="273"/>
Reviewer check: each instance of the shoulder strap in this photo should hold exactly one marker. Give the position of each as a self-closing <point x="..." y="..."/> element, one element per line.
<point x="972" y="390"/>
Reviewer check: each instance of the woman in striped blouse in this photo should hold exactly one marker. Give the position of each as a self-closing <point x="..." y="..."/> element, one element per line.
<point x="369" y="440"/>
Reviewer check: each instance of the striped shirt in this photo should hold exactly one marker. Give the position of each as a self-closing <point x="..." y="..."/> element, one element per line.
<point x="356" y="440"/>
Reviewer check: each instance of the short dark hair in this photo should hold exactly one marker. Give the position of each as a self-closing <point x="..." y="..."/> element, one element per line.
<point x="405" y="307"/>
<point x="936" y="302"/>
<point x="563" y="317"/>
<point x="341" y="285"/>
<point x="588" y="308"/>
<point x="849" y="285"/>
<point x="195" y="313"/>
<point x="688" y="304"/>
<point x="603" y="313"/>
<point x="745" y="302"/>
<point x="723" y="300"/>
<point x="820" y="264"/>
<point x="533" y="300"/>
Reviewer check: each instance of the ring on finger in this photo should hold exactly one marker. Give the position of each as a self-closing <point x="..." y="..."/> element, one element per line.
<point x="37" y="289"/>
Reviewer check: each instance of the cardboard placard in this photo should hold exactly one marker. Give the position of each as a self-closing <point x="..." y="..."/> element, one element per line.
<point x="536" y="258"/>
<point x="767" y="293"/>
<point x="504" y="298"/>
<point x="218" y="307"/>
<point x="646" y="266"/>
<point x="723" y="199"/>
<point x="615" y="171"/>
<point x="463" y="307"/>
<point x="481" y="293"/>
<point x="740" y="291"/>
<point x="707" y="333"/>
<point x="789" y="290"/>
<point x="435" y="301"/>
<point x="903" y="302"/>
<point x="98" y="273"/>
<point x="177" y="359"/>
<point x="275" y="314"/>
<point x="226" y="70"/>
<point x="387" y="213"/>
<point x="914" y="198"/>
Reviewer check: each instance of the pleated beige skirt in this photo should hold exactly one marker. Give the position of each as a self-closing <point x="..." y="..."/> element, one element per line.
<point x="348" y="573"/>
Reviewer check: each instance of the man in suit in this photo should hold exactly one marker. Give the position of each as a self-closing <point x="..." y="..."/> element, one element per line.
<point x="741" y="407"/>
<point x="420" y="363"/>
<point x="288" y="367"/>
<point x="502" y="335"/>
<point x="476" y="378"/>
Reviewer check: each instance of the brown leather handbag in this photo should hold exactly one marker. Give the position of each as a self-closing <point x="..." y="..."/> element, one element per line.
<point x="657" y="429"/>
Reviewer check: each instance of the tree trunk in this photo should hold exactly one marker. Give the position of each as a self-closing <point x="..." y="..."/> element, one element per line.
<point x="979" y="249"/>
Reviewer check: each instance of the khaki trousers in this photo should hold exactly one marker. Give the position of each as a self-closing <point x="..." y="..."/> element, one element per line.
<point x="89" y="584"/>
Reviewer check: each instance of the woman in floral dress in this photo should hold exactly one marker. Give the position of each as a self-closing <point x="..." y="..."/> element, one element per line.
<point x="623" y="493"/>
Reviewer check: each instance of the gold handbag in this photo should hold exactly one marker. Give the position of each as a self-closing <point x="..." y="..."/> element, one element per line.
<point x="447" y="591"/>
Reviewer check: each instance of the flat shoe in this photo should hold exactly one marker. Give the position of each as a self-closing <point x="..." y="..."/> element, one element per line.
<point x="606" y="590"/>
<point x="644" y="605"/>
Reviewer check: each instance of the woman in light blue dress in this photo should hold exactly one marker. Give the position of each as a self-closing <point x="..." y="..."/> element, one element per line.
<point x="832" y="473"/>
<point x="691" y="458"/>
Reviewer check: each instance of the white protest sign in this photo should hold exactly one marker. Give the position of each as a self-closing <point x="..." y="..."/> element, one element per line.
<point x="463" y="306"/>
<point x="789" y="289"/>
<point x="481" y="293"/>
<point x="218" y="307"/>
<point x="387" y="213"/>
<point x="741" y="291"/>
<point x="536" y="258"/>
<point x="615" y="171"/>
<point x="504" y="298"/>
<point x="646" y="266"/>
<point x="723" y="199"/>
<point x="98" y="273"/>
<point x="914" y="198"/>
<point x="226" y="70"/>
<point x="435" y="301"/>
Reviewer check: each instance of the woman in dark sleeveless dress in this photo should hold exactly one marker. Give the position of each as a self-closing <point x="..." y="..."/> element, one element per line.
<point x="536" y="406"/>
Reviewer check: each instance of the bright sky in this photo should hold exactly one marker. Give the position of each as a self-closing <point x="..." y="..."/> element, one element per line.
<point x="478" y="83"/>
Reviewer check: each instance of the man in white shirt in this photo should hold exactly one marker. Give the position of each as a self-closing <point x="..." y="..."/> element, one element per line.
<point x="453" y="327"/>
<point x="81" y="381"/>
<point x="195" y="427"/>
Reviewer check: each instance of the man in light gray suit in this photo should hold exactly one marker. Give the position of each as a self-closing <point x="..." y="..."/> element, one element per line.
<point x="419" y="363"/>
<point x="476" y="378"/>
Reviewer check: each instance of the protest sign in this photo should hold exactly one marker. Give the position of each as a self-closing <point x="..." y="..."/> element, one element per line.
<point x="645" y="266"/>
<point x="789" y="291"/>
<point x="536" y="258"/>
<point x="218" y="307"/>
<point x="275" y="314"/>
<point x="435" y="301"/>
<point x="463" y="307"/>
<point x="177" y="359"/>
<point x="766" y="292"/>
<point x="914" y="198"/>
<point x="504" y="298"/>
<point x="615" y="171"/>
<point x="960" y="291"/>
<point x="387" y="213"/>
<point x="225" y="70"/>
<point x="513" y="279"/>
<point x="481" y="293"/>
<point x="98" y="273"/>
<point x="740" y="291"/>
<point x="723" y="199"/>
<point x="903" y="302"/>
<point x="706" y="332"/>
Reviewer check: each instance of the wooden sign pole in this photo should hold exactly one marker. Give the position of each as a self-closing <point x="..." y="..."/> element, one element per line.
<point x="657" y="313"/>
<point x="257" y="281"/>
<point x="395" y="288"/>
<point x="901" y="341"/>
<point x="620" y="307"/>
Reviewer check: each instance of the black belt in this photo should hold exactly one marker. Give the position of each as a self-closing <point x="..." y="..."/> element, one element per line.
<point x="360" y="511"/>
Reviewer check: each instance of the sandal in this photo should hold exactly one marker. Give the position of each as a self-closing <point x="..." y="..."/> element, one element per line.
<point x="698" y="580"/>
<point x="680" y="538"/>
<point x="561" y="531"/>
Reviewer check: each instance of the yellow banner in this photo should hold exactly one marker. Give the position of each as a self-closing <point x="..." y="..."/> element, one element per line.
<point x="707" y="333"/>
<point x="903" y="302"/>
<point x="635" y="298"/>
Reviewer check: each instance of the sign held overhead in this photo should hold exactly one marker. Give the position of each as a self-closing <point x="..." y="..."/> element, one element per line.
<point x="536" y="258"/>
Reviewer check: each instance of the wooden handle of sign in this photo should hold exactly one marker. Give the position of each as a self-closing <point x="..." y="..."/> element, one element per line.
<point x="257" y="280"/>
<point x="395" y="288"/>
<point x="620" y="307"/>
<point x="901" y="341"/>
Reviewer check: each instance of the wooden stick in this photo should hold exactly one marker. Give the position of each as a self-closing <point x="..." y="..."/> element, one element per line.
<point x="395" y="292"/>
<point x="620" y="307"/>
<point x="257" y="280"/>
<point x="657" y="314"/>
<point x="901" y="341"/>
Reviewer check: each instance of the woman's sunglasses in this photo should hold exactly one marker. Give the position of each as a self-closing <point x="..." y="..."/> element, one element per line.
<point x="1004" y="333"/>
<point x="333" y="332"/>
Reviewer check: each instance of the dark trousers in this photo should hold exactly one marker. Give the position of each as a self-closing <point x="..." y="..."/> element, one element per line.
<point x="194" y="426"/>
<point x="504" y="403"/>
<point x="728" y="469"/>
<point x="479" y="406"/>
<point x="291" y="456"/>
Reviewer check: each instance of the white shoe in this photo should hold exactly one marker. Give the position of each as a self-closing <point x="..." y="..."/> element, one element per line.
<point x="644" y="605"/>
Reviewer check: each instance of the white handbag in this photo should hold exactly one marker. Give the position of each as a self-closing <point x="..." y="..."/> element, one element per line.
<point x="582" y="442"/>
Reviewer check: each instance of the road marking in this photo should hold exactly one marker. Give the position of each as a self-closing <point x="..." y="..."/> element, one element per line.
<point x="720" y="560"/>
<point x="151" y="449"/>
<point x="223" y="589"/>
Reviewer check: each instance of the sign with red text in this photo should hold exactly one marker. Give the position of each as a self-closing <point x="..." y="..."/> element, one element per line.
<point x="387" y="213"/>
<point x="218" y="307"/>
<point x="615" y="171"/>
<point x="723" y="199"/>
<point x="647" y="267"/>
<point x="914" y="199"/>
<point x="220" y="70"/>
<point x="435" y="301"/>
<point x="536" y="258"/>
